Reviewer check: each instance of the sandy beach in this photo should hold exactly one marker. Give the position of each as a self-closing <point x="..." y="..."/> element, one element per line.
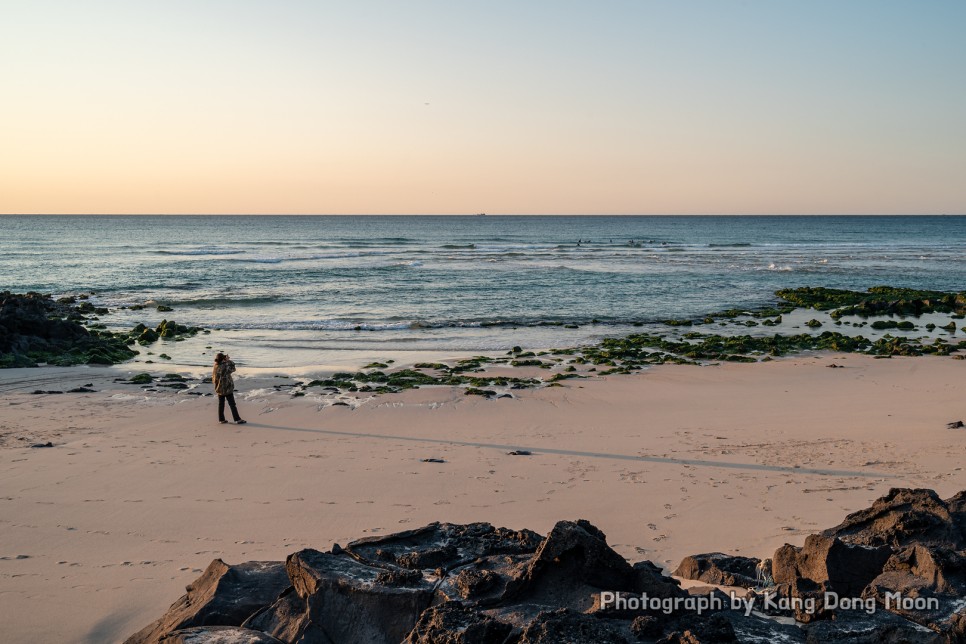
<point x="553" y="323"/>
<point x="140" y="491"/>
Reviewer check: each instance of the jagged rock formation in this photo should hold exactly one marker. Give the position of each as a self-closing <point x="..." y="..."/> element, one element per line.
<point x="476" y="584"/>
<point x="720" y="569"/>
<point x="35" y="328"/>
<point x="223" y="596"/>
<point x="904" y="558"/>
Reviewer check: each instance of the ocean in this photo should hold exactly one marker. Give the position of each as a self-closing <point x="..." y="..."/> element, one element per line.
<point x="301" y="291"/>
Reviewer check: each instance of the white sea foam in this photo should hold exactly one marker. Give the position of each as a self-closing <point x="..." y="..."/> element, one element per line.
<point x="203" y="250"/>
<point x="324" y="325"/>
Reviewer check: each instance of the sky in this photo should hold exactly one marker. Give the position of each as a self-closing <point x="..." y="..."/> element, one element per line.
<point x="443" y="107"/>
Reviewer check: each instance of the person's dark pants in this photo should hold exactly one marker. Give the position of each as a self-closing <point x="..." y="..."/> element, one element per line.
<point x="231" y="404"/>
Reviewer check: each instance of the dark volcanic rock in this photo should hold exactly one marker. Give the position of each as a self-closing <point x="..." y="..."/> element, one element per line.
<point x="472" y="583"/>
<point x="754" y="629"/>
<point x="36" y="329"/>
<point x="476" y="584"/>
<point x="223" y="596"/>
<point x="571" y="564"/>
<point x="703" y="629"/>
<point x="218" y="635"/>
<point x="721" y="569"/>
<point x="861" y="628"/>
<point x="485" y="581"/>
<point x="830" y="562"/>
<point x="287" y="619"/>
<point x="454" y="623"/>
<point x="941" y="569"/>
<point x="444" y="545"/>
<point x="33" y="315"/>
<point x="649" y="579"/>
<point x="345" y="602"/>
<point x="922" y="577"/>
<point x="900" y="518"/>
<point x="924" y="585"/>
<point x="570" y="627"/>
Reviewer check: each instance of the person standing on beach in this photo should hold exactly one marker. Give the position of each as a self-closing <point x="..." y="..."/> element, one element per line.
<point x="225" y="387"/>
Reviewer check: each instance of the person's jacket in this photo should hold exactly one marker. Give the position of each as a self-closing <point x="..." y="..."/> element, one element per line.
<point x="221" y="378"/>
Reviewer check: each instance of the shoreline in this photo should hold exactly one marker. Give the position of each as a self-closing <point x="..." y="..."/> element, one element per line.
<point x="36" y="329"/>
<point x="142" y="490"/>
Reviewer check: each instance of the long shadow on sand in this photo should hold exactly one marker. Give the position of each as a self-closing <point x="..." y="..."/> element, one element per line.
<point x="569" y="452"/>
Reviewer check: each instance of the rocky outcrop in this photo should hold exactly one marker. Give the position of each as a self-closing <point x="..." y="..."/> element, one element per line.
<point x="572" y="564"/>
<point x="720" y="569"/>
<point x="894" y="572"/>
<point x="455" y="623"/>
<point x="223" y="596"/>
<point x="904" y="517"/>
<point x="340" y="599"/>
<point x="476" y="584"/>
<point x="218" y="635"/>
<point x="567" y="625"/>
<point x="829" y="563"/>
<point x="35" y="328"/>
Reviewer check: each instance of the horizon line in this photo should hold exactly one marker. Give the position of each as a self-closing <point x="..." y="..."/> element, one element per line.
<point x="397" y="214"/>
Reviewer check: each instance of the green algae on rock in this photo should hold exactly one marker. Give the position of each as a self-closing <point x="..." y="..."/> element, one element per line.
<point x="36" y="329"/>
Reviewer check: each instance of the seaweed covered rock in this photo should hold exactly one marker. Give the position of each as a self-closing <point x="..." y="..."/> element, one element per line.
<point x="34" y="328"/>
<point x="878" y="300"/>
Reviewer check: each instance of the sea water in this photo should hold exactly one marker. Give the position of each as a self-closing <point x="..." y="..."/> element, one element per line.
<point x="305" y="290"/>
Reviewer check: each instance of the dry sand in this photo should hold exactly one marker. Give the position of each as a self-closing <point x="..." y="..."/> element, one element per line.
<point x="101" y="532"/>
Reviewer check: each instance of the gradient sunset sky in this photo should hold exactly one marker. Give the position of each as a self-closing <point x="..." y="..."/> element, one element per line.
<point x="620" y="107"/>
